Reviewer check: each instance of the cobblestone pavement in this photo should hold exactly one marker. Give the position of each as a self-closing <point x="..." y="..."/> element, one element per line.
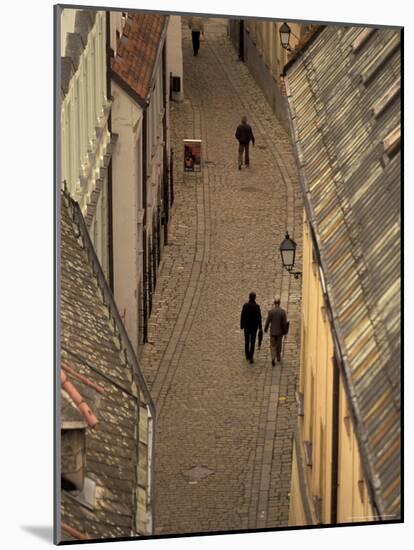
<point x="224" y="427"/>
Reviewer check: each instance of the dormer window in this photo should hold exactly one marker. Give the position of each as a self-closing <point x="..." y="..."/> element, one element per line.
<point x="76" y="418"/>
<point x="73" y="459"/>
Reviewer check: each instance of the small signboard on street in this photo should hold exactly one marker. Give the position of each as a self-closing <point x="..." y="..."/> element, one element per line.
<point x="192" y="155"/>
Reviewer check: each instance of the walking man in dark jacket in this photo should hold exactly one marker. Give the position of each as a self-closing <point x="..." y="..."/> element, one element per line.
<point x="250" y="322"/>
<point x="244" y="135"/>
<point x="276" y="318"/>
<point x="196" y="25"/>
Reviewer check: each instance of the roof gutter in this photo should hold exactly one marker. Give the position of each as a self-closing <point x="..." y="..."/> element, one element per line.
<point x="372" y="484"/>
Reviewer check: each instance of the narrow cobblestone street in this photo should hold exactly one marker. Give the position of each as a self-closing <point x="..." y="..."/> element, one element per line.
<point x="224" y="426"/>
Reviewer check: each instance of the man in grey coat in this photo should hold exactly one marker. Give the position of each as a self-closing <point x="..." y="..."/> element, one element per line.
<point x="277" y="320"/>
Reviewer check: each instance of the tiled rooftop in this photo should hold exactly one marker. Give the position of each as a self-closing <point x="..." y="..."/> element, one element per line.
<point x="94" y="363"/>
<point x="134" y="63"/>
<point x="343" y="93"/>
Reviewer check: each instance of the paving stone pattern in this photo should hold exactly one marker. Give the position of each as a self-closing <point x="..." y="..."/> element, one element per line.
<point x="224" y="427"/>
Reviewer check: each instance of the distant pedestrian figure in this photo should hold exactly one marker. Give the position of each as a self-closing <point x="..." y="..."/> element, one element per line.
<point x="250" y="322"/>
<point x="279" y="326"/>
<point x="244" y="135"/>
<point x="196" y="25"/>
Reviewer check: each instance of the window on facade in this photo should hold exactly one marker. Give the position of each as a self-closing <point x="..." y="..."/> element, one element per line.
<point x="302" y="378"/>
<point x="361" y="483"/>
<point x="312" y="406"/>
<point x="299" y="401"/>
<point x="307" y="446"/>
<point x="73" y="459"/>
<point x="308" y="442"/>
<point x="74" y="481"/>
<point x="321" y="460"/>
<point x="347" y="419"/>
<point x="319" y="470"/>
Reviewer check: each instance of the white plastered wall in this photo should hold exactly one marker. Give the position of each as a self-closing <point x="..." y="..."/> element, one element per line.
<point x="85" y="136"/>
<point x="175" y="53"/>
<point x="127" y="207"/>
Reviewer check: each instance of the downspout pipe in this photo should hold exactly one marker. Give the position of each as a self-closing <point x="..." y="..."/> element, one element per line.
<point x="144" y="223"/>
<point x="110" y="174"/>
<point x="335" y="441"/>
<point x="166" y="199"/>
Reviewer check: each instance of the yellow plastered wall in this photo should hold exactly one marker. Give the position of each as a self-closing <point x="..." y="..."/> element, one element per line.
<point x="316" y="424"/>
<point x="265" y="35"/>
<point x="353" y="500"/>
<point x="297" y="514"/>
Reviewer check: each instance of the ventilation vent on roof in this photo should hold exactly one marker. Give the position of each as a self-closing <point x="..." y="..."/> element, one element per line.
<point x="384" y="55"/>
<point x="391" y="145"/>
<point x="386" y="100"/>
<point x="362" y="39"/>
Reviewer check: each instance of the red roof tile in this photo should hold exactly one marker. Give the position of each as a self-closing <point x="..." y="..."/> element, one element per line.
<point x="82" y="378"/>
<point x="74" y="533"/>
<point x="78" y="400"/>
<point x="137" y="52"/>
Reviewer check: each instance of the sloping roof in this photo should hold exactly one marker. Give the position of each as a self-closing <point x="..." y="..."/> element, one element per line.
<point x="343" y="94"/>
<point x="133" y="66"/>
<point x="95" y="359"/>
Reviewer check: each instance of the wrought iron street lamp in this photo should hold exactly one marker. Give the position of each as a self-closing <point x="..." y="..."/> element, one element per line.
<point x="287" y="252"/>
<point x="284" y="32"/>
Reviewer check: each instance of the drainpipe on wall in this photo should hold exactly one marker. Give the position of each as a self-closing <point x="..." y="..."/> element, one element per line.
<point x="165" y="211"/>
<point x="171" y="182"/>
<point x="144" y="232"/>
<point x="241" y="40"/>
<point x="335" y="441"/>
<point x="110" y="193"/>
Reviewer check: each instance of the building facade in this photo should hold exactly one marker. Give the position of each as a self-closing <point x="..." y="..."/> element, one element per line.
<point x="85" y="140"/>
<point x="328" y="481"/>
<point x="343" y="93"/>
<point x="175" y="58"/>
<point x="141" y="197"/>
<point x="257" y="43"/>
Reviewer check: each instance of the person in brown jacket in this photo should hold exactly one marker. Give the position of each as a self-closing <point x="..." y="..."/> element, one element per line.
<point x="277" y="320"/>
